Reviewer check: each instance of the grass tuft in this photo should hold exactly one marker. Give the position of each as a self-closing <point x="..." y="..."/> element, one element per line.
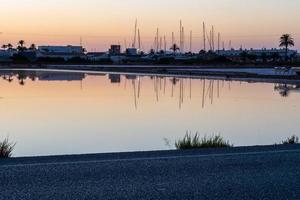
<point x="195" y="142"/>
<point x="6" y="148"/>
<point x="292" y="140"/>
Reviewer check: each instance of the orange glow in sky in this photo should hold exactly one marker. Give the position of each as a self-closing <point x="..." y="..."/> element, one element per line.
<point x="252" y="24"/>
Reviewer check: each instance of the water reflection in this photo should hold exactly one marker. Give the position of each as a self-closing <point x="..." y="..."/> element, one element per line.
<point x="50" y="112"/>
<point x="211" y="88"/>
<point x="22" y="76"/>
<point x="285" y="89"/>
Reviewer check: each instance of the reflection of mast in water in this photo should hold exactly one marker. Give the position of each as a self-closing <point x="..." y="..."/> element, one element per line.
<point x="160" y="83"/>
<point x="182" y="90"/>
<point x="160" y="86"/>
<point x="156" y="87"/>
<point x="181" y="93"/>
<point x="180" y="82"/>
<point x="165" y="85"/>
<point x="190" y="88"/>
<point x="134" y="91"/>
<point x="174" y="82"/>
<point x="172" y="94"/>
<point x="208" y="90"/>
<point x="209" y="93"/>
<point x="81" y="85"/>
<point x="203" y="94"/>
<point x="139" y="87"/>
<point x="212" y="92"/>
<point x="125" y="83"/>
<point x="218" y="89"/>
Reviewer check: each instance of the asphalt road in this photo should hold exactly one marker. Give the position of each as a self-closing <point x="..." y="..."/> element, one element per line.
<point x="237" y="173"/>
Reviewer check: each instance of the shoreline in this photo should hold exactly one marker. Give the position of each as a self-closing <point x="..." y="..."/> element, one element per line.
<point x="203" y="66"/>
<point x="173" y="153"/>
<point x="248" y="74"/>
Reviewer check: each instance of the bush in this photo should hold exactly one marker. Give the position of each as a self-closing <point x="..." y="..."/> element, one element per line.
<point x="6" y="148"/>
<point x="292" y="140"/>
<point x="195" y="142"/>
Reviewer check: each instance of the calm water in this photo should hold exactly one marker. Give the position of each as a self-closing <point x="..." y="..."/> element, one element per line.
<point x="69" y="113"/>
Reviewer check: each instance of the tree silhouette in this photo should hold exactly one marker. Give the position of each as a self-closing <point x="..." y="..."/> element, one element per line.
<point x="174" y="48"/>
<point x="32" y="47"/>
<point x="4" y="46"/>
<point x="9" y="46"/>
<point x="286" y="41"/>
<point x="21" y="46"/>
<point x="21" y="43"/>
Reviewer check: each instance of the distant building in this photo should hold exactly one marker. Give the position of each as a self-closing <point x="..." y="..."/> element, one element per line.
<point x="131" y="51"/>
<point x="257" y="52"/>
<point x="115" y="50"/>
<point x="65" y="52"/>
<point x="61" y="49"/>
<point x="97" y="56"/>
<point x="6" y="55"/>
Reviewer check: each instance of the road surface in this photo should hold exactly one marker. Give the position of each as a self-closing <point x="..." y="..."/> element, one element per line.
<point x="270" y="172"/>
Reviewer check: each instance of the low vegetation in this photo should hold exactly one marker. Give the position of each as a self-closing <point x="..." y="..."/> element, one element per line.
<point x="6" y="148"/>
<point x="291" y="140"/>
<point x="191" y="141"/>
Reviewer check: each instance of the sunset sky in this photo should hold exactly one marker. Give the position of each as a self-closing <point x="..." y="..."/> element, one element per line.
<point x="250" y="23"/>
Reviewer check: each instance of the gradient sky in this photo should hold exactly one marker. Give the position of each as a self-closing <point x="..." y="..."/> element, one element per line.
<point x="251" y="23"/>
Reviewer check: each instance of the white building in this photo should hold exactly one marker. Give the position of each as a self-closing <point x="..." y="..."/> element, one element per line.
<point x="65" y="52"/>
<point x="257" y="52"/>
<point x="97" y="56"/>
<point x="132" y="51"/>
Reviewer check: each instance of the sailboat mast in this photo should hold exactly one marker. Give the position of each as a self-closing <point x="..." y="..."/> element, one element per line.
<point x="139" y="38"/>
<point x="204" y="37"/>
<point x="135" y="31"/>
<point x="219" y="38"/>
<point x="191" y="37"/>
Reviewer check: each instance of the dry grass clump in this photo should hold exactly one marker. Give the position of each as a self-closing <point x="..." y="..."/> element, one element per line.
<point x="6" y="148"/>
<point x="195" y="142"/>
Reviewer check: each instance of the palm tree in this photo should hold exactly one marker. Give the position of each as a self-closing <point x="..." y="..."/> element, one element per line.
<point x="174" y="48"/>
<point x="286" y="41"/>
<point x="32" y="47"/>
<point x="21" y="44"/>
<point x="9" y="46"/>
<point x="4" y="46"/>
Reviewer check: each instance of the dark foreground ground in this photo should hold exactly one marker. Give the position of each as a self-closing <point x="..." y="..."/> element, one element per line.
<point x="271" y="172"/>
